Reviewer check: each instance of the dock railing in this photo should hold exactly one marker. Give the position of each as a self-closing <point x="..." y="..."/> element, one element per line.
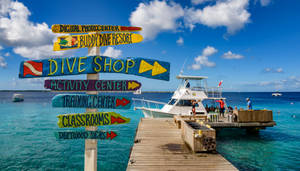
<point x="148" y="103"/>
<point x="211" y="92"/>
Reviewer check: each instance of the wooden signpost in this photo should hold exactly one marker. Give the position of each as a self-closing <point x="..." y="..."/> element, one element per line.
<point x="91" y="119"/>
<point x="95" y="40"/>
<point x="102" y="135"/>
<point x="95" y="64"/>
<point x="92" y="65"/>
<point x="67" y="28"/>
<point x="91" y="101"/>
<point x="93" y="85"/>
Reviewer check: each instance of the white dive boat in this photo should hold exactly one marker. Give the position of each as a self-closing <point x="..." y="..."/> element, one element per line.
<point x="276" y="94"/>
<point x="17" y="97"/>
<point x="181" y="101"/>
<point x="138" y="91"/>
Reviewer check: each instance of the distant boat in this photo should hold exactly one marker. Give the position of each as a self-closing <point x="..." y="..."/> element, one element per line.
<point x="18" y="97"/>
<point x="138" y="91"/>
<point x="276" y="94"/>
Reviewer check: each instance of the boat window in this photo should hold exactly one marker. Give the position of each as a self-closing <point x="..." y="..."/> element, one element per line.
<point x="172" y="102"/>
<point x="185" y="103"/>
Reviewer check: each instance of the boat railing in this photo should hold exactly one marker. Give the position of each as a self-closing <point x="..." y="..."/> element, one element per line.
<point x="148" y="103"/>
<point x="211" y="92"/>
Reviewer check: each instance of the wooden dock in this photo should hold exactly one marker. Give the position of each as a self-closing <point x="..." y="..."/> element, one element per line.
<point x="224" y="123"/>
<point x="159" y="146"/>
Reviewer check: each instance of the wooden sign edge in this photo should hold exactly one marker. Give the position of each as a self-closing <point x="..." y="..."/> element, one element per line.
<point x="123" y="28"/>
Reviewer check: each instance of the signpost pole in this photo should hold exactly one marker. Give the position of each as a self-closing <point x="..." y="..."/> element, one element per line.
<point x="90" y="150"/>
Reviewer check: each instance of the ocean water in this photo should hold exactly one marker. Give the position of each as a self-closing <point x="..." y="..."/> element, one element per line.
<point x="27" y="140"/>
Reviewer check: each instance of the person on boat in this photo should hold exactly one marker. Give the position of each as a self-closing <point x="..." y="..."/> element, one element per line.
<point x="194" y="107"/>
<point x="230" y="109"/>
<point x="211" y="108"/>
<point x="222" y="109"/>
<point x="188" y="85"/>
<point x="249" y="104"/>
<point x="207" y="108"/>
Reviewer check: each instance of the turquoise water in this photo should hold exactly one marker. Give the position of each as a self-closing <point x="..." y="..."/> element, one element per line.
<point x="27" y="140"/>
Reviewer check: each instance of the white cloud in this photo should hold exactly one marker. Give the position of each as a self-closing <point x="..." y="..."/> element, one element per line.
<point x="159" y="16"/>
<point x="38" y="52"/>
<point x="36" y="83"/>
<point x="197" y="2"/>
<point x="1" y="47"/>
<point x="279" y="70"/>
<point x="230" y="55"/>
<point x="292" y="77"/>
<point x="267" y="69"/>
<point x="231" y="14"/>
<point x="111" y="52"/>
<point x="273" y="70"/>
<point x="7" y="54"/>
<point x="155" y="17"/>
<point x="209" y="50"/>
<point x="284" y="84"/>
<point x="202" y="60"/>
<point x="265" y="2"/>
<point x="3" y="63"/>
<point x="180" y="41"/>
<point x="291" y="83"/>
<point x="23" y="35"/>
<point x="195" y="66"/>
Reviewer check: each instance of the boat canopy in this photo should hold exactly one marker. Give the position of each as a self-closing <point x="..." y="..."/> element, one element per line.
<point x="187" y="77"/>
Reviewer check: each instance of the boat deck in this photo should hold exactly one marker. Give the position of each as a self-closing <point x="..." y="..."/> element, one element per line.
<point x="224" y="123"/>
<point x="159" y="146"/>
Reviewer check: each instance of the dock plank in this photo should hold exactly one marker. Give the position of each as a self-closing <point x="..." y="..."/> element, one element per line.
<point x="160" y="147"/>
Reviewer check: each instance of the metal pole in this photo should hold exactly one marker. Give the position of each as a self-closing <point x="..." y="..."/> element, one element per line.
<point x="90" y="150"/>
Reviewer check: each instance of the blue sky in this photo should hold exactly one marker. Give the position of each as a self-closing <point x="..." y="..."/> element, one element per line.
<point x="252" y="45"/>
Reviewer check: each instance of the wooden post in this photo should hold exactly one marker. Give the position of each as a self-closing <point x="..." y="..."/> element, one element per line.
<point x="90" y="150"/>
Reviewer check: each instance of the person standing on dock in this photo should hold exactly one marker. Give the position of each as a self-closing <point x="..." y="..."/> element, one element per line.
<point x="222" y="109"/>
<point x="249" y="104"/>
<point x="194" y="107"/>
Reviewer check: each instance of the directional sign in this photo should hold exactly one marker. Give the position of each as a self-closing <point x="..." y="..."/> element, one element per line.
<point x="91" y="119"/>
<point x="102" y="135"/>
<point x="95" y="40"/>
<point x="66" y="28"/>
<point x="92" y="85"/>
<point x="91" y="101"/>
<point x="94" y="64"/>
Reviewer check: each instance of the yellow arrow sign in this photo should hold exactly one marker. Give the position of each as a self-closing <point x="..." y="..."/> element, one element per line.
<point x="132" y="85"/>
<point x="156" y="68"/>
<point x="90" y="119"/>
<point x="92" y="40"/>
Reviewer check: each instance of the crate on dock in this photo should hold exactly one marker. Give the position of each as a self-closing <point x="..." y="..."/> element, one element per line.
<point x="213" y="117"/>
<point x="199" y="137"/>
<point x="254" y="116"/>
<point x="178" y="119"/>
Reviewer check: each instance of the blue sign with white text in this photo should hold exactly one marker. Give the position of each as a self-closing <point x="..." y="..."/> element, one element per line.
<point x="149" y="68"/>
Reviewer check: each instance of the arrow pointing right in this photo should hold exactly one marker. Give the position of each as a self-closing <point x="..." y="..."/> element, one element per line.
<point x="111" y="135"/>
<point x="156" y="68"/>
<point x="118" y="120"/>
<point x="132" y="85"/>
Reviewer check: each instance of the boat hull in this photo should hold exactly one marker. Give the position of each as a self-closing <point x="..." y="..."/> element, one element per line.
<point x="155" y="113"/>
<point x="18" y="100"/>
